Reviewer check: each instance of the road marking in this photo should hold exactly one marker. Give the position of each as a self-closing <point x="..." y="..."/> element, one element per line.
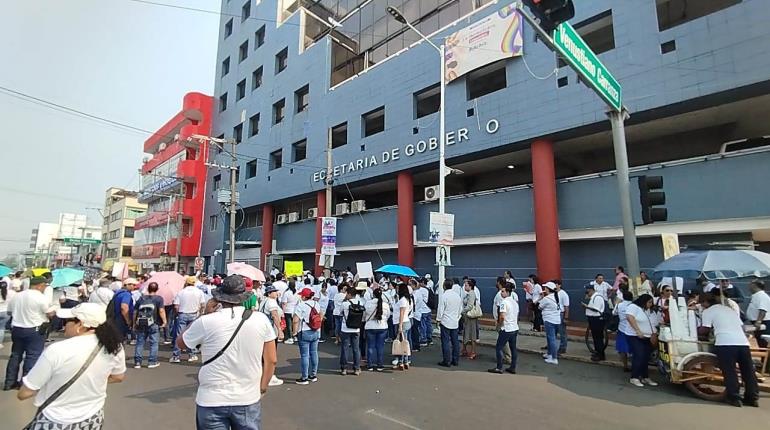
<point x="393" y="420"/>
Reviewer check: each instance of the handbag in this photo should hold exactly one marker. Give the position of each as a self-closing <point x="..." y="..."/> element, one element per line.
<point x="52" y="398"/>
<point x="475" y="311"/>
<point x="400" y="346"/>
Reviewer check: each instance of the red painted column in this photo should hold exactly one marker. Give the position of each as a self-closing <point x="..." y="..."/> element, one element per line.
<point x="546" y="211"/>
<point x="267" y="235"/>
<point x="321" y="204"/>
<point x="405" y="219"/>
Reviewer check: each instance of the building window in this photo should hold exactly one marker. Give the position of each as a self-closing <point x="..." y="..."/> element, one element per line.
<point x="240" y="90"/>
<point x="281" y="60"/>
<point x="299" y="151"/>
<point x="276" y="159"/>
<point x="256" y="79"/>
<point x="486" y="80"/>
<point x="259" y="37"/>
<point x="278" y="111"/>
<point x="228" y="28"/>
<point x="251" y="169"/>
<point x="339" y="135"/>
<point x="114" y="234"/>
<point x="672" y="13"/>
<point x="126" y="252"/>
<point x="238" y="133"/>
<point x="226" y="66"/>
<point x="302" y="98"/>
<point x="598" y="33"/>
<point x="217" y="182"/>
<point x="213" y="221"/>
<point x="115" y="216"/>
<point x="374" y="121"/>
<point x="246" y="11"/>
<point x="128" y="232"/>
<point x="427" y="101"/>
<point x="223" y="102"/>
<point x="254" y="125"/>
<point x="243" y="51"/>
<point x="252" y="219"/>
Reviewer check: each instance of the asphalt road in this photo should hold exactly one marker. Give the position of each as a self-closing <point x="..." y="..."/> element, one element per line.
<point x="571" y="396"/>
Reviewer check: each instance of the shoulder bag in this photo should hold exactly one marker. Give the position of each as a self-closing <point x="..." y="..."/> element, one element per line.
<point x="475" y="311"/>
<point x="52" y="398"/>
<point x="246" y="315"/>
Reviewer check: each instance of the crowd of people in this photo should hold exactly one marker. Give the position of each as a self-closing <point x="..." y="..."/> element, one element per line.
<point x="234" y="324"/>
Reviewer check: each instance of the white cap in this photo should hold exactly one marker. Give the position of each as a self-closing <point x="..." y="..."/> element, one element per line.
<point x="321" y="279"/>
<point x="427" y="276"/>
<point x="90" y="314"/>
<point x="550" y="285"/>
<point x="130" y="281"/>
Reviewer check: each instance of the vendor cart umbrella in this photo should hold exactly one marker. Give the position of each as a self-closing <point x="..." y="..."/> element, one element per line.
<point x="39" y="271"/>
<point x="169" y="285"/>
<point x="66" y="276"/>
<point x="716" y="264"/>
<point x="395" y="269"/>
<point x="5" y="270"/>
<point x="247" y="270"/>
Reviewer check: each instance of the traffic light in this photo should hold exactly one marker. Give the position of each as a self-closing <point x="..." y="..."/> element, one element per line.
<point x="551" y="13"/>
<point x="652" y="198"/>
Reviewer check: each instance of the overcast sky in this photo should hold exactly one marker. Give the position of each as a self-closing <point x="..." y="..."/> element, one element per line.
<point x="119" y="59"/>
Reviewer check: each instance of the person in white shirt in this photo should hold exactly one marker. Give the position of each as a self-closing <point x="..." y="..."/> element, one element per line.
<point x="429" y="282"/>
<point x="641" y="328"/>
<point x="349" y="336"/>
<point x="323" y="298"/>
<point x="232" y="379"/>
<point x="501" y="283"/>
<point x="564" y="305"/>
<point x="376" y="327"/>
<point x="102" y="294"/>
<point x="601" y="287"/>
<point x="280" y="283"/>
<point x="732" y="348"/>
<point x="337" y="312"/>
<point x="289" y="301"/>
<point x="402" y="315"/>
<point x="422" y="313"/>
<point x="646" y="287"/>
<point x="30" y="311"/>
<point x="535" y="291"/>
<point x="307" y="336"/>
<point x="758" y="311"/>
<point x="448" y="316"/>
<point x="508" y="327"/>
<point x="188" y="305"/>
<point x="269" y="306"/>
<point x="508" y="276"/>
<point x="625" y="330"/>
<point x="6" y="293"/>
<point x="551" y="312"/>
<point x="594" y="310"/>
<point x="91" y="344"/>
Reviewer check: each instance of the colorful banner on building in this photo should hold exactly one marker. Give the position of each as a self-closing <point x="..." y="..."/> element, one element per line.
<point x="493" y="38"/>
<point x="328" y="236"/>
<point x="442" y="228"/>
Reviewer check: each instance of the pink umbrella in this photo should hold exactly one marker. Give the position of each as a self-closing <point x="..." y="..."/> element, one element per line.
<point x="169" y="284"/>
<point x="246" y="270"/>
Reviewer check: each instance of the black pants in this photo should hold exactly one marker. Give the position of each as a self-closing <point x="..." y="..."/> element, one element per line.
<point x="728" y="357"/>
<point x="761" y="342"/>
<point x="596" y="324"/>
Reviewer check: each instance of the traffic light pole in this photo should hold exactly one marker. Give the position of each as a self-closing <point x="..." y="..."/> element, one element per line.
<point x="617" y="119"/>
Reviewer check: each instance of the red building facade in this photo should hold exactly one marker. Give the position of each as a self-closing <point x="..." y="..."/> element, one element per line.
<point x="173" y="186"/>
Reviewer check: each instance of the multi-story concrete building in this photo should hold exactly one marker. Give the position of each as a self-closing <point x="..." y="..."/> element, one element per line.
<point x="173" y="188"/>
<point x="538" y="192"/>
<point x="121" y="209"/>
<point x="41" y="242"/>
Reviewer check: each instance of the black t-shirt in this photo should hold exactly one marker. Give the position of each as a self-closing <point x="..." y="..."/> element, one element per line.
<point x="157" y="301"/>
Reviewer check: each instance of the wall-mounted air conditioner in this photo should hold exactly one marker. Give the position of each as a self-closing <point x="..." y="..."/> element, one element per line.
<point x="431" y="193"/>
<point x="342" y="209"/>
<point x="357" y="206"/>
<point x="282" y="218"/>
<point x="293" y="216"/>
<point x="312" y="213"/>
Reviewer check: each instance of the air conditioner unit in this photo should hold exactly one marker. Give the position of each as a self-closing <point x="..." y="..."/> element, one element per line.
<point x="282" y="218"/>
<point x="357" y="206"/>
<point x="312" y="213"/>
<point x="293" y="216"/>
<point x="431" y="193"/>
<point x="342" y="209"/>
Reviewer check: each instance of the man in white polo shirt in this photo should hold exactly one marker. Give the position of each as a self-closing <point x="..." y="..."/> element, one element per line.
<point x="188" y="304"/>
<point x="594" y="310"/>
<point x="759" y="311"/>
<point x="29" y="309"/>
<point x="448" y="315"/>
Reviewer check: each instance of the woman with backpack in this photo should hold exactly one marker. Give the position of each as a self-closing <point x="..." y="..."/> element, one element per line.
<point x="376" y="326"/>
<point x="405" y="307"/>
<point x="289" y="302"/>
<point x="307" y="328"/>
<point x="352" y="318"/>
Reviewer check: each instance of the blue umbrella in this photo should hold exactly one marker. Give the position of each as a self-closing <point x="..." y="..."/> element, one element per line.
<point x="66" y="276"/>
<point x="716" y="264"/>
<point x="4" y="270"/>
<point x="395" y="269"/>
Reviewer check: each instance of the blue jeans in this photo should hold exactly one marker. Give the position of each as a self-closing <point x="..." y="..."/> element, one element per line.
<point x="247" y="417"/>
<point x="337" y="325"/>
<point x="426" y="328"/>
<point x="416" y="334"/>
<point x="503" y="338"/>
<point x="351" y="340"/>
<point x="562" y="336"/>
<point x="152" y="336"/>
<point x="168" y="330"/>
<point x="182" y="322"/>
<point x="391" y="329"/>
<point x="450" y="345"/>
<point x="4" y="317"/>
<point x="641" y="349"/>
<point x="550" y="336"/>
<point x="375" y="343"/>
<point x="405" y="359"/>
<point x="27" y="345"/>
<point x="308" y="353"/>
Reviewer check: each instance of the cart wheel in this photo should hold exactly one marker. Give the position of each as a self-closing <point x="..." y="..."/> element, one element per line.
<point x="705" y="388"/>
<point x="654" y="356"/>
<point x="589" y="340"/>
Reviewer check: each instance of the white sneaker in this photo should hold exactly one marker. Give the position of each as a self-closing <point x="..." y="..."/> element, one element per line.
<point x="275" y="381"/>
<point x="193" y="358"/>
<point x="152" y="366"/>
<point x="289" y="342"/>
<point x="636" y="382"/>
<point x="551" y="361"/>
<point x="394" y="362"/>
<point x="547" y="356"/>
<point x="173" y="360"/>
<point x="649" y="382"/>
<point x="137" y="366"/>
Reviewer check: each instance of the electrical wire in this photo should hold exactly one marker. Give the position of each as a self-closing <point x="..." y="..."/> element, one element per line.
<point x="555" y="71"/>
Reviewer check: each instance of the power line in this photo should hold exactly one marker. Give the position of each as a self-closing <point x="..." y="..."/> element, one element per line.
<point x="49" y="196"/>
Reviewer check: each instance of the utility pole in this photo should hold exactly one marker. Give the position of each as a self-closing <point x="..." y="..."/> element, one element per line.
<point x="233" y="200"/>
<point x="329" y="183"/>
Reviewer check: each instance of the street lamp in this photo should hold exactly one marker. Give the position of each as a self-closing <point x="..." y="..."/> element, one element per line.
<point x="398" y="16"/>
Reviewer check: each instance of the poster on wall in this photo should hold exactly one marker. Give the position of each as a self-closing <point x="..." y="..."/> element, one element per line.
<point x="493" y="38"/>
<point x="441" y="228"/>
<point x="443" y="256"/>
<point x="328" y="236"/>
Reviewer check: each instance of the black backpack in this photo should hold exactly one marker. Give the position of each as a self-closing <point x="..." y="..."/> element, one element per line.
<point x="145" y="314"/>
<point x="432" y="299"/>
<point x="111" y="310"/>
<point x="355" y="316"/>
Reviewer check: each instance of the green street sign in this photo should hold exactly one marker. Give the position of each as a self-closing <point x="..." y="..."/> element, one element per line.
<point x="579" y="55"/>
<point x="79" y="241"/>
